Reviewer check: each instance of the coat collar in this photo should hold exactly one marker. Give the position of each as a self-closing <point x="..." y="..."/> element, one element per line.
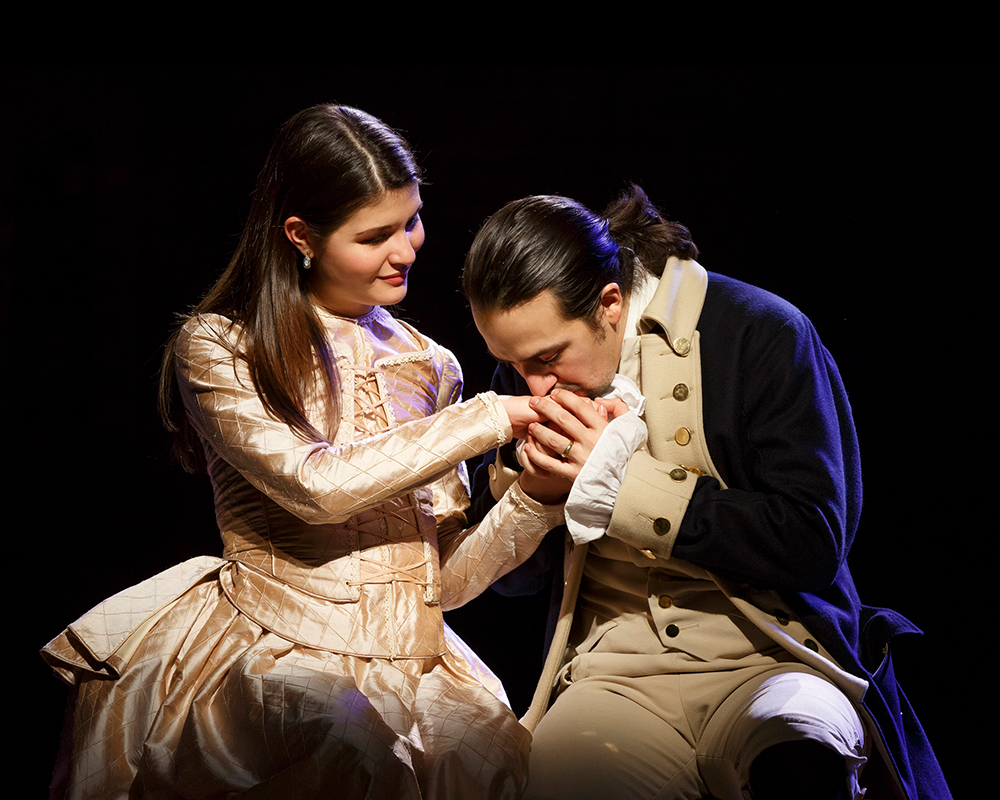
<point x="676" y="304"/>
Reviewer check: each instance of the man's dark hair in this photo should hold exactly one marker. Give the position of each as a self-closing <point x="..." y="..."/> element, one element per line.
<point x="551" y="242"/>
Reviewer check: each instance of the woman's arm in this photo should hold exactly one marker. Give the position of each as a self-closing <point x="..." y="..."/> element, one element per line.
<point x="318" y="481"/>
<point x="473" y="557"/>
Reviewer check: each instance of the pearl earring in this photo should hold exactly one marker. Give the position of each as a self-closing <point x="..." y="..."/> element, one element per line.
<point x="307" y="260"/>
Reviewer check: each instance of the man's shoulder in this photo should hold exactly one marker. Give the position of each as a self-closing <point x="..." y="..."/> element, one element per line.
<point x="729" y="295"/>
<point x="738" y="308"/>
<point x="743" y="321"/>
<point x="750" y="325"/>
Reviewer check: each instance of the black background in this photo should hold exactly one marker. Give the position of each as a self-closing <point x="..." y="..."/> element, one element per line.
<point x="857" y="194"/>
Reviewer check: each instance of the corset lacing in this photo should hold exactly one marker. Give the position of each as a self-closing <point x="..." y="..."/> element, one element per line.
<point x="371" y="417"/>
<point x="372" y="412"/>
<point x="389" y="572"/>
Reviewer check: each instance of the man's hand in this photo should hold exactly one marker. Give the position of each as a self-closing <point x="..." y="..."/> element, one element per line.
<point x="560" y="447"/>
<point x="543" y="486"/>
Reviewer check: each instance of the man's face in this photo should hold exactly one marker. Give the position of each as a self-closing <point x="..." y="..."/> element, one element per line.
<point x="550" y="351"/>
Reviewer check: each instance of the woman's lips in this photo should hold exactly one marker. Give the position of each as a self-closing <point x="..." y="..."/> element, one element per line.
<point x="394" y="280"/>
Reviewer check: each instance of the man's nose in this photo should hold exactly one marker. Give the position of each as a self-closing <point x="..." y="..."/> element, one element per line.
<point x="541" y="385"/>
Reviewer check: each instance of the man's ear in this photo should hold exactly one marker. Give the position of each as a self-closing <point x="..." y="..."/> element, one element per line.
<point x="298" y="234"/>
<point x="612" y="303"/>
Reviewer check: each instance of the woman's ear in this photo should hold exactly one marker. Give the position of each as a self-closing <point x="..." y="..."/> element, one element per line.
<point x="298" y="234"/>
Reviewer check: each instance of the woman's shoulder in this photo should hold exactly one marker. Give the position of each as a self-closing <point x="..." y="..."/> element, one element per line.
<point x="424" y="343"/>
<point x="210" y="323"/>
<point x="420" y="340"/>
<point x="208" y="331"/>
<point x="420" y="346"/>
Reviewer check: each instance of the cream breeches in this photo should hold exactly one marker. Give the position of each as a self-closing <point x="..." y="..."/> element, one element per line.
<point x="684" y="736"/>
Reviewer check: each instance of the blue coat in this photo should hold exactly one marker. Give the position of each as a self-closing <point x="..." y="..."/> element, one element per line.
<point x="779" y="430"/>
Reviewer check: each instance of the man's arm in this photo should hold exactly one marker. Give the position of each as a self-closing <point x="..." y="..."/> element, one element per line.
<point x="779" y="429"/>
<point x="780" y="432"/>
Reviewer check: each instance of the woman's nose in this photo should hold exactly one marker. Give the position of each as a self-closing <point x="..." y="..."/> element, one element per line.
<point x="403" y="251"/>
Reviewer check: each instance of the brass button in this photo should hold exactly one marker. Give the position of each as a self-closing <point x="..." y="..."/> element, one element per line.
<point x="648" y="553"/>
<point x="661" y="526"/>
<point x="665" y="602"/>
<point x="671" y="631"/>
<point x="678" y="475"/>
<point x="681" y="392"/>
<point x="682" y="346"/>
<point x="682" y="436"/>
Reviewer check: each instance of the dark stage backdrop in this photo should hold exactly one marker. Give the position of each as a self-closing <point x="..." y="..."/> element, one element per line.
<point x="852" y="193"/>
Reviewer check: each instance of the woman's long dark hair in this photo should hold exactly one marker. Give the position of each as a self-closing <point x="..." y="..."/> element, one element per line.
<point x="325" y="163"/>
<point x="551" y="242"/>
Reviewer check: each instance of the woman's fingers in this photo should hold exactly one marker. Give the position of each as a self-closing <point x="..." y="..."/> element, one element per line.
<point x="612" y="409"/>
<point x="520" y="413"/>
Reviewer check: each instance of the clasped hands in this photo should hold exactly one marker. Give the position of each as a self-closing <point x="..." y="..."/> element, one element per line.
<point x="559" y="433"/>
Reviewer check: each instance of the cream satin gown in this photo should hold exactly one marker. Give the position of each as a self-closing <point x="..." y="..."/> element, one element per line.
<point x="312" y="659"/>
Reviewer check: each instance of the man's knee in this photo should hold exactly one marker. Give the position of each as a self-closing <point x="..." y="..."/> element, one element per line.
<point x="796" y="770"/>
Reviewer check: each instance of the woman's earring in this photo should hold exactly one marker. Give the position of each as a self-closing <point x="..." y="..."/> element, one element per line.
<point x="306" y="260"/>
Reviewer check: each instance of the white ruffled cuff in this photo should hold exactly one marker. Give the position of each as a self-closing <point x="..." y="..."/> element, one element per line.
<point x="592" y="498"/>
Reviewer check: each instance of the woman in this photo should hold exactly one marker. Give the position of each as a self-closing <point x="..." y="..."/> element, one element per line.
<point x="312" y="659"/>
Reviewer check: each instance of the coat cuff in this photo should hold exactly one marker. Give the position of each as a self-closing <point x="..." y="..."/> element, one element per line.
<point x="650" y="505"/>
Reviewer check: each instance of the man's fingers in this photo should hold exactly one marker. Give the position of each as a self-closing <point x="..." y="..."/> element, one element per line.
<point x="542" y="462"/>
<point x="582" y="408"/>
<point x="574" y="415"/>
<point x="552" y="442"/>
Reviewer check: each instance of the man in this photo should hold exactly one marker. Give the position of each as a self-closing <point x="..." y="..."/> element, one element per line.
<point x="709" y="639"/>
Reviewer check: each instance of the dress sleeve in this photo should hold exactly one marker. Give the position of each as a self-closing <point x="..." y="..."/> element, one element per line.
<point x="319" y="482"/>
<point x="493" y="481"/>
<point x="472" y="557"/>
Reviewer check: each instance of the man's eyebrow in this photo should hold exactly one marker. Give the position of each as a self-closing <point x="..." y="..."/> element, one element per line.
<point x="547" y="350"/>
<point x="537" y="355"/>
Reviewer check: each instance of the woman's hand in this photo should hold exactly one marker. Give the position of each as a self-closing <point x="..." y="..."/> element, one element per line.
<point x="520" y="413"/>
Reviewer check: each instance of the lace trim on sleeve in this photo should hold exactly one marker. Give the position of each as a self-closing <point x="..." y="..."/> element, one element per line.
<point x="499" y="425"/>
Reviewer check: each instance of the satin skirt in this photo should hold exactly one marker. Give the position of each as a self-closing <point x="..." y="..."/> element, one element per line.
<point x="210" y="705"/>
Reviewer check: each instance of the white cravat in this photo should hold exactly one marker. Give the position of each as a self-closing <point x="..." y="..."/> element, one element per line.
<point x="592" y="498"/>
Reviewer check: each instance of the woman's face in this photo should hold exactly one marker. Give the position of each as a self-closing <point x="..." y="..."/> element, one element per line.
<point x="365" y="261"/>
